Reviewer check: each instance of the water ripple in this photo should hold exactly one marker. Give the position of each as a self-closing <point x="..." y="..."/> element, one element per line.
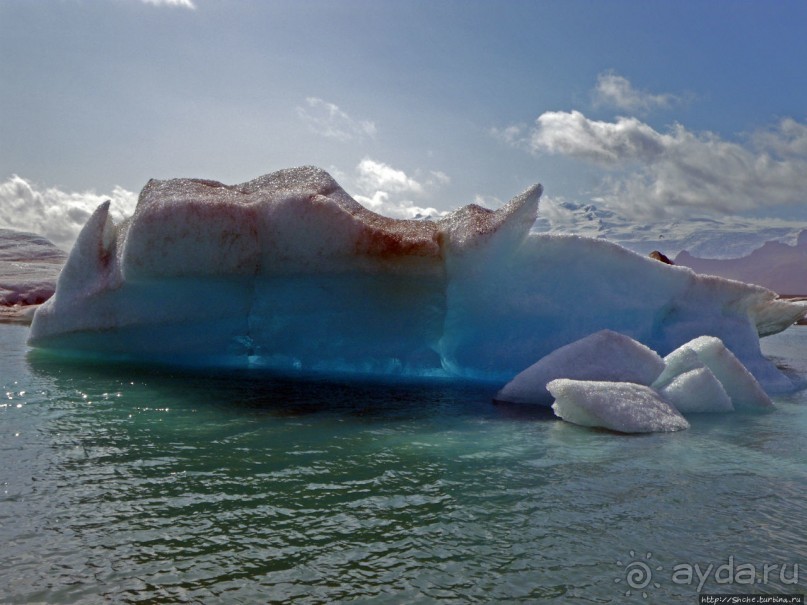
<point x="138" y="487"/>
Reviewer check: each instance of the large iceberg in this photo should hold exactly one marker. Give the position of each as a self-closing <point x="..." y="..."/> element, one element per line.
<point x="289" y="272"/>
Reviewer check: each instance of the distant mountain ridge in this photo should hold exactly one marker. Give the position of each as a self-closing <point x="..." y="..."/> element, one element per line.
<point x="29" y="267"/>
<point x="777" y="266"/>
<point x="704" y="237"/>
<point x="768" y="252"/>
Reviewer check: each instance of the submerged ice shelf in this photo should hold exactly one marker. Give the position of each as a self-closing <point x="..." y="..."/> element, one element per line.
<point x="289" y="272"/>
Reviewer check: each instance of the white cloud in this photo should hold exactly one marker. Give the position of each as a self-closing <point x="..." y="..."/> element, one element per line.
<point x="613" y="90"/>
<point x="381" y="203"/>
<point x="788" y="139"/>
<point x="387" y="190"/>
<point x="438" y="178"/>
<point x="663" y="174"/>
<point x="53" y="213"/>
<point x="609" y="143"/>
<point x="181" y="3"/>
<point x="328" y="120"/>
<point x="377" y="175"/>
<point x="512" y="135"/>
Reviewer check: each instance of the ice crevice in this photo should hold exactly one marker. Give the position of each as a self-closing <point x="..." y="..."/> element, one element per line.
<point x="289" y="272"/>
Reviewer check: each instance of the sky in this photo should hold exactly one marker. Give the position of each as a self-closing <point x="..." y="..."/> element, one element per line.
<point x="657" y="111"/>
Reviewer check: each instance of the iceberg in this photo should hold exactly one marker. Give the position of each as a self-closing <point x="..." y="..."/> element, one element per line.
<point x="740" y="386"/>
<point x="609" y="380"/>
<point x="697" y="391"/>
<point x="289" y="272"/>
<point x="624" y="407"/>
<point x="604" y="356"/>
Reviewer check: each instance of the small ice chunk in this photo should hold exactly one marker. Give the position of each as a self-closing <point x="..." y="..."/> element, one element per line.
<point x="604" y="355"/>
<point x="680" y="361"/>
<point x="697" y="391"/>
<point x="740" y="385"/>
<point x="624" y="407"/>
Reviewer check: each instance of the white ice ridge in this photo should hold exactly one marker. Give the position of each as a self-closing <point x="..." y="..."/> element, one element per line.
<point x="289" y="272"/>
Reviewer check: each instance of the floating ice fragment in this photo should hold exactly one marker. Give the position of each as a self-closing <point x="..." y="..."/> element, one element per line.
<point x="624" y="407"/>
<point x="742" y="388"/>
<point x="604" y="355"/>
<point x="683" y="359"/>
<point x="697" y="391"/>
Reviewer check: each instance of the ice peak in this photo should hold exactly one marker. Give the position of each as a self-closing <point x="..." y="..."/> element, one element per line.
<point x="472" y="225"/>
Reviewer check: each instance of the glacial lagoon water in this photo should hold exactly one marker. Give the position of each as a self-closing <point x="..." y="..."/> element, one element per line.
<point x="122" y="484"/>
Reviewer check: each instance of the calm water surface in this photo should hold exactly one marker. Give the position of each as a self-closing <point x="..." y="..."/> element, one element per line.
<point x="132" y="485"/>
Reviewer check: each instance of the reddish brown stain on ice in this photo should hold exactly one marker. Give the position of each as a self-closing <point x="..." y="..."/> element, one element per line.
<point x="388" y="238"/>
<point x="269" y="212"/>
